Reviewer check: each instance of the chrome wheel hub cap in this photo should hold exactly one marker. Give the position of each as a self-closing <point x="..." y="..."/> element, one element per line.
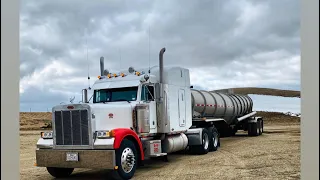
<point x="127" y="160"/>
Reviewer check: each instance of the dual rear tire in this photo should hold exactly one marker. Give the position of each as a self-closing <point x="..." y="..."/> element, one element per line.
<point x="255" y="128"/>
<point x="210" y="141"/>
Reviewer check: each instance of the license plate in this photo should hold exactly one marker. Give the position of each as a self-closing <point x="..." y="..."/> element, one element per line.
<point x="72" y="156"/>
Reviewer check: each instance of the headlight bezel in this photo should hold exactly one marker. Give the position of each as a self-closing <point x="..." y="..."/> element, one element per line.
<point x="46" y="135"/>
<point x="104" y="134"/>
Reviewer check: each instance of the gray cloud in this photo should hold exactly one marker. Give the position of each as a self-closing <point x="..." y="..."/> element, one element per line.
<point x="235" y="41"/>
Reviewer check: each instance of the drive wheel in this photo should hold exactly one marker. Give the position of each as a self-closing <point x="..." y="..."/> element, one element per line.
<point x="204" y="147"/>
<point x="214" y="139"/>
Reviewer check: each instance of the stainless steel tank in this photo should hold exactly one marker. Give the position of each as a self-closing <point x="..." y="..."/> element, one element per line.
<point x="220" y="105"/>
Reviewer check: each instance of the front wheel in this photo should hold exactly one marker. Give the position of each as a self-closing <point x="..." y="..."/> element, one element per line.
<point x="60" y="172"/>
<point x="126" y="159"/>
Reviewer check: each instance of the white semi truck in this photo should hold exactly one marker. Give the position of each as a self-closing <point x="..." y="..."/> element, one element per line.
<point x="138" y="114"/>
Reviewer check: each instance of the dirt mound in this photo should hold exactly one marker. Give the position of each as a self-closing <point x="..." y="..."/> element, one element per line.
<point x="35" y="120"/>
<point x="277" y="117"/>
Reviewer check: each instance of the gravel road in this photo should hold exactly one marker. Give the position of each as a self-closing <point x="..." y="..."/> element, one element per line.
<point x="274" y="155"/>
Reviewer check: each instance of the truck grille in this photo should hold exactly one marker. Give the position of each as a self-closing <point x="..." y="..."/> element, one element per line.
<point x="71" y="127"/>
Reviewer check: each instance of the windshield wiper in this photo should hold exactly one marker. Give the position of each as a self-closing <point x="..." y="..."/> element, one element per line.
<point x="123" y="100"/>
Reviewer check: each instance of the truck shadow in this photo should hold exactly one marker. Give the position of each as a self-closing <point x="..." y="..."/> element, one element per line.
<point x="94" y="175"/>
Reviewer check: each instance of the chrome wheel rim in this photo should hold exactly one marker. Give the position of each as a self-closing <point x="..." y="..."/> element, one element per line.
<point x="127" y="160"/>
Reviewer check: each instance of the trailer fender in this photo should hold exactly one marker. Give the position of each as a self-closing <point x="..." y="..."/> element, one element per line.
<point x="121" y="133"/>
<point x="255" y="119"/>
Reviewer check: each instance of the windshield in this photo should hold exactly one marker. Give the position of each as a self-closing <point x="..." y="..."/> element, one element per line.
<point x="116" y="94"/>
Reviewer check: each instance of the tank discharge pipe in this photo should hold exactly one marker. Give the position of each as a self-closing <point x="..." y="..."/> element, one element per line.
<point x="246" y="116"/>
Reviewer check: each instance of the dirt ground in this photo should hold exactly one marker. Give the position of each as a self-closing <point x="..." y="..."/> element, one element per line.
<point x="274" y="155"/>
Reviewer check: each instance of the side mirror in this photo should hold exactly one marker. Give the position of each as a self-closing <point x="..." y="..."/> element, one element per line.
<point x="84" y="96"/>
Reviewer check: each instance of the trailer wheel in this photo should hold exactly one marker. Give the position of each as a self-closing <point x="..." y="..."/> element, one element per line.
<point x="204" y="147"/>
<point x="126" y="159"/>
<point x="60" y="172"/>
<point x="260" y="122"/>
<point x="214" y="139"/>
<point x="253" y="129"/>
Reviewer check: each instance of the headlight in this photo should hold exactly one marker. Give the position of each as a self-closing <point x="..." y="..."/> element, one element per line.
<point x="47" y="135"/>
<point x="104" y="134"/>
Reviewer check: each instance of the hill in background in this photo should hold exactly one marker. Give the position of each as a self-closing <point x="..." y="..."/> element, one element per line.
<point x="265" y="91"/>
<point x="42" y="120"/>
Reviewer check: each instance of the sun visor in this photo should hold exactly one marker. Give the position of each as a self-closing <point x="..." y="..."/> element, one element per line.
<point x="116" y="84"/>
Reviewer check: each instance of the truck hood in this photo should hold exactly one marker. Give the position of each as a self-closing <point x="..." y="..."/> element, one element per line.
<point x="112" y="115"/>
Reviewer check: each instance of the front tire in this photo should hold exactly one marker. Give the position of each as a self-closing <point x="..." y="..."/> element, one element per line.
<point x="126" y="159"/>
<point x="60" y="172"/>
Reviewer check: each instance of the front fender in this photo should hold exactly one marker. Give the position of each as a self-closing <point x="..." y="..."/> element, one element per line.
<point x="121" y="133"/>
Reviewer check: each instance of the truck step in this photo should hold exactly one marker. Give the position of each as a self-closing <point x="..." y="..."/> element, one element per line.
<point x="158" y="155"/>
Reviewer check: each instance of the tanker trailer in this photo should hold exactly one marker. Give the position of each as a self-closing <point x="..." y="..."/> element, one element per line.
<point x="229" y="112"/>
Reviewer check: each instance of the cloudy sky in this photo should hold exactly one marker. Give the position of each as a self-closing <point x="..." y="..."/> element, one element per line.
<point x="224" y="43"/>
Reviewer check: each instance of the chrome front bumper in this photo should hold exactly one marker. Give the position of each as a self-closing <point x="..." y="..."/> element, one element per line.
<point x="93" y="159"/>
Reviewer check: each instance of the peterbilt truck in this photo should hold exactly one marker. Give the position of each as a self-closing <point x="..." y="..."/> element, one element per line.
<point x="138" y="114"/>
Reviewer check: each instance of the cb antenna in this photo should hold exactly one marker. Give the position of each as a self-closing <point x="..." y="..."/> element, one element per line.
<point x="149" y="47"/>
<point x="120" y="58"/>
<point x="88" y="64"/>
